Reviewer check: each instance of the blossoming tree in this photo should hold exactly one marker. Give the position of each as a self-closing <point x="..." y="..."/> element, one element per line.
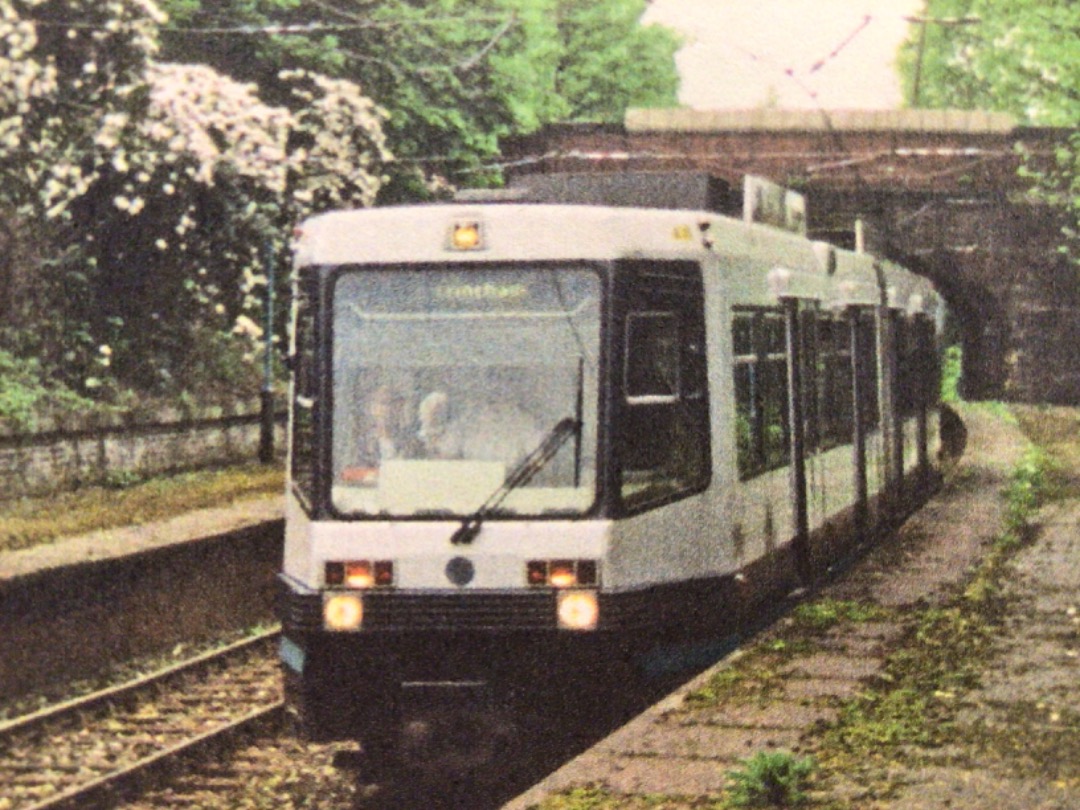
<point x="154" y="191"/>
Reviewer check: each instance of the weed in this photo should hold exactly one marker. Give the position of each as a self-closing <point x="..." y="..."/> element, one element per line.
<point x="818" y="617"/>
<point x="880" y="721"/>
<point x="1024" y="495"/>
<point x="756" y="676"/>
<point x="595" y="797"/>
<point x="771" y="779"/>
<point x="121" y="479"/>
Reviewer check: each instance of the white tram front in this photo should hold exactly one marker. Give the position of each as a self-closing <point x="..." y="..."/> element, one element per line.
<point x="528" y="437"/>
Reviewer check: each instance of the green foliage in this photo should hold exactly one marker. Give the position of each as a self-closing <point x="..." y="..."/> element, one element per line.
<point x="951" y="372"/>
<point x="883" y="721"/>
<point x="589" y="797"/>
<point x="25" y="394"/>
<point x="1056" y="182"/>
<point x="141" y="200"/>
<point x="454" y="77"/>
<point x="771" y="779"/>
<point x="820" y="616"/>
<point x="1017" y="57"/>
<point x="1025" y="493"/>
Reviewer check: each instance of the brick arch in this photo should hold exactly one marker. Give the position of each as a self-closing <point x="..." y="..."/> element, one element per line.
<point x="977" y="321"/>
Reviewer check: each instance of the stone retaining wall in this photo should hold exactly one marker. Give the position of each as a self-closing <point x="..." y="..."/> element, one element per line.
<point x="92" y="450"/>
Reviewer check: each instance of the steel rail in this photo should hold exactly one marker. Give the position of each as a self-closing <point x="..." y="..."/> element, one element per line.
<point x="103" y="780"/>
<point x="89" y="794"/>
<point x="94" y="699"/>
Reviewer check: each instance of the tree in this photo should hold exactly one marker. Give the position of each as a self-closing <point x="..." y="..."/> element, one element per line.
<point x="155" y="186"/>
<point x="1017" y="57"/>
<point x="147" y="158"/>
<point x="63" y="67"/>
<point x="454" y="77"/>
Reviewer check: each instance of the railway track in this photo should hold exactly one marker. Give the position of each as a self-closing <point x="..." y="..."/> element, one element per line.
<point x="96" y="749"/>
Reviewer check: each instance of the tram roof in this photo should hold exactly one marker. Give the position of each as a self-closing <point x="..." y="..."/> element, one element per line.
<point x="527" y="231"/>
<point x="424" y="234"/>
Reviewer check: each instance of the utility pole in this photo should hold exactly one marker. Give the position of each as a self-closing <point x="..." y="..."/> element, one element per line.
<point x="266" y="396"/>
<point x="948" y="22"/>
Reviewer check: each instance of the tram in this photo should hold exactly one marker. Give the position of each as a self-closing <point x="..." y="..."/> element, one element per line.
<point x="573" y="424"/>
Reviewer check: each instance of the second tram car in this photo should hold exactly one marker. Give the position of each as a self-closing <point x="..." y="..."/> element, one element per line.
<point x="533" y="435"/>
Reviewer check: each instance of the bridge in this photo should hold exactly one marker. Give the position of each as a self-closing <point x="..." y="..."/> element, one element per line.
<point x="939" y="189"/>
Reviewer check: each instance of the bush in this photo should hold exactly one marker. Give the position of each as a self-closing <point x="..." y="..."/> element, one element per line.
<point x="771" y="779"/>
<point x="25" y="395"/>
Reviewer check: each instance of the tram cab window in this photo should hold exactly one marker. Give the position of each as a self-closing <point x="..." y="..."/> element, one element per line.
<point x="446" y="380"/>
<point x="661" y="438"/>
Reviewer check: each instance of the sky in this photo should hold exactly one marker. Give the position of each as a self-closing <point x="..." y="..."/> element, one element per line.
<point x="832" y="54"/>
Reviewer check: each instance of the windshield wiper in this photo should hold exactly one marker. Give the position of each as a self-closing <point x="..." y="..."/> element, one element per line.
<point x="520" y="475"/>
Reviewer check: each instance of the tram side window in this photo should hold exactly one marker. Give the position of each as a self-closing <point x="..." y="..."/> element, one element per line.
<point x="907" y="395"/>
<point x="652" y="356"/>
<point x="304" y="394"/>
<point x="834" y="383"/>
<point x="930" y="363"/>
<point x="867" y="363"/>
<point x="919" y="366"/>
<point x="761" y="390"/>
<point x="813" y="354"/>
<point x="662" y="439"/>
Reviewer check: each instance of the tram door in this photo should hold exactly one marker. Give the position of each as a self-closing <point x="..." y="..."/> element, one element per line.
<point x="822" y="408"/>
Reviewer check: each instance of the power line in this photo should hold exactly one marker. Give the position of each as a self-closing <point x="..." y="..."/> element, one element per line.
<point x="820" y="63"/>
<point x="281" y="29"/>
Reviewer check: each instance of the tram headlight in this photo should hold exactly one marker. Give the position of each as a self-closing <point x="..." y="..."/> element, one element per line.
<point x="577" y="610"/>
<point x="343" y="612"/>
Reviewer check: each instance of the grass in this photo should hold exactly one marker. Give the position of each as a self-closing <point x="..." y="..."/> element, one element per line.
<point x="1057" y="431"/>
<point x="28" y="522"/>
<point x="758" y="673"/>
<point x="824" y="614"/>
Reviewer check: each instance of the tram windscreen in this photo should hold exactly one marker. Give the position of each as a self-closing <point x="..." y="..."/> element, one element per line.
<point x="444" y="380"/>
